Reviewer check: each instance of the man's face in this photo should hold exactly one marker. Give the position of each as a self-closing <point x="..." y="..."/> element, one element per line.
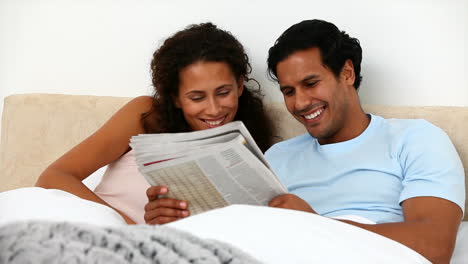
<point x="314" y="96"/>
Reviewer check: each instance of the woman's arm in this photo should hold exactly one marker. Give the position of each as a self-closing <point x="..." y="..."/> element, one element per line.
<point x="101" y="148"/>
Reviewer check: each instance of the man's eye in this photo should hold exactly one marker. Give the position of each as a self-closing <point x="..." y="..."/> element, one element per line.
<point x="288" y="92"/>
<point x="311" y="84"/>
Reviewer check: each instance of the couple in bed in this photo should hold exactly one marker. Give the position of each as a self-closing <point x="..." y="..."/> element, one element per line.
<point x="404" y="175"/>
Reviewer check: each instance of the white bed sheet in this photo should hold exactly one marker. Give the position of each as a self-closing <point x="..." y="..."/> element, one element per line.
<point x="460" y="254"/>
<point x="36" y="203"/>
<point x="269" y="234"/>
<point x="275" y="235"/>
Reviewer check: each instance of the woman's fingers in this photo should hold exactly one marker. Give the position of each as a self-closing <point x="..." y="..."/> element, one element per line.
<point x="162" y="220"/>
<point x="164" y="215"/>
<point x="164" y="210"/>
<point x="166" y="203"/>
<point x="154" y="192"/>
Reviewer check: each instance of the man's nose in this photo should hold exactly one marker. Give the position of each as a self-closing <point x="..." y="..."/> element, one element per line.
<point x="303" y="100"/>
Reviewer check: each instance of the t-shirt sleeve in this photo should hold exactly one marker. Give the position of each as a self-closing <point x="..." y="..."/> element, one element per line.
<point x="431" y="165"/>
<point x="273" y="156"/>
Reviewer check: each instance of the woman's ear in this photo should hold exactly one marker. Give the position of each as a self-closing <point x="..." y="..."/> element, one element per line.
<point x="240" y="86"/>
<point x="176" y="101"/>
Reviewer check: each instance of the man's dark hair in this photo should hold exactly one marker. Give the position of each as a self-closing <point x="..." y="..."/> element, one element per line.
<point x="335" y="47"/>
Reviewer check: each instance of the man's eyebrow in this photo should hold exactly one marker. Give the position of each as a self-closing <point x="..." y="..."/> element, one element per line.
<point x="306" y="79"/>
<point x="310" y="77"/>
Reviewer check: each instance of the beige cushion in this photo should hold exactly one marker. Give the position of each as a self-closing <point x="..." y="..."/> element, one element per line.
<point x="38" y="128"/>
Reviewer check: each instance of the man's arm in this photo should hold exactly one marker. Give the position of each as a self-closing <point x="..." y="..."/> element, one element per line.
<point x="430" y="226"/>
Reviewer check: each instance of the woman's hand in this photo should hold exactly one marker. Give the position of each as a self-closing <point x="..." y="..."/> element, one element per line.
<point x="163" y="210"/>
<point x="291" y="201"/>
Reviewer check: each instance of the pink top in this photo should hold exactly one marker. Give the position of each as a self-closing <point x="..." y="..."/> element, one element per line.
<point x="124" y="187"/>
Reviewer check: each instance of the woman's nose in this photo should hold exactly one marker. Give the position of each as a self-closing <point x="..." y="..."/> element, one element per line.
<point x="213" y="108"/>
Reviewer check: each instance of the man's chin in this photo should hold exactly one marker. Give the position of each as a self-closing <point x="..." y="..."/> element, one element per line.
<point x="315" y="133"/>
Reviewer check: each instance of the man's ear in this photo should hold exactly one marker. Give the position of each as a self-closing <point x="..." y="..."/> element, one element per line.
<point x="240" y="86"/>
<point x="347" y="73"/>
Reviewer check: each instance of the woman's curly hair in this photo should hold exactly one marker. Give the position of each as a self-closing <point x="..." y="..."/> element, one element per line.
<point x="202" y="42"/>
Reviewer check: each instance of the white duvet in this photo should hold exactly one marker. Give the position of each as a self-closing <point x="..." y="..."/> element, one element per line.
<point x="269" y="234"/>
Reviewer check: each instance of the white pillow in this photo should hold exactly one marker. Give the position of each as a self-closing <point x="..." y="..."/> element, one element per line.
<point x="460" y="254"/>
<point x="274" y="235"/>
<point x="34" y="203"/>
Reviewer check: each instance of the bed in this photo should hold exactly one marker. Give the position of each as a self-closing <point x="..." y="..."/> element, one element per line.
<point x="243" y="234"/>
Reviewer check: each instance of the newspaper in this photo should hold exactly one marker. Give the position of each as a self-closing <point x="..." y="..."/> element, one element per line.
<point x="208" y="168"/>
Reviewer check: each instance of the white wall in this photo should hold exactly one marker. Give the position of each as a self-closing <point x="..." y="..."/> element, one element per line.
<point x="415" y="52"/>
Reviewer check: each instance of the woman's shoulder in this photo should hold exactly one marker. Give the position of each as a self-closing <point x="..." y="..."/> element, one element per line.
<point x="141" y="103"/>
<point x="136" y="107"/>
<point x="127" y="120"/>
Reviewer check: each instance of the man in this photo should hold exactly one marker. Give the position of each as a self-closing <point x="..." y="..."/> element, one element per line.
<point x="404" y="175"/>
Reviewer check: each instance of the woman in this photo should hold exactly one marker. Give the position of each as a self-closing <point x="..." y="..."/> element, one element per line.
<point x="198" y="75"/>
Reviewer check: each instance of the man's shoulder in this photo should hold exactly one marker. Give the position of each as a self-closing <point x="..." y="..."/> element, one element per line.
<point x="400" y="127"/>
<point x="291" y="144"/>
<point x="408" y="134"/>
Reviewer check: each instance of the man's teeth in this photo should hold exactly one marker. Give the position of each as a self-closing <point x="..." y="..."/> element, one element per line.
<point x="314" y="114"/>
<point x="214" y="123"/>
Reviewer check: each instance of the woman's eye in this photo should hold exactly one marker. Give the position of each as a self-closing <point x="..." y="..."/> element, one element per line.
<point x="196" y="98"/>
<point x="224" y="92"/>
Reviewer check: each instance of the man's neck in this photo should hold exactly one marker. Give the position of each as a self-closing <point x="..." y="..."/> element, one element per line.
<point x="356" y="123"/>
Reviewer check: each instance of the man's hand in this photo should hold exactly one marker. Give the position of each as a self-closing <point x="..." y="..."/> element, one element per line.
<point x="291" y="201"/>
<point x="163" y="210"/>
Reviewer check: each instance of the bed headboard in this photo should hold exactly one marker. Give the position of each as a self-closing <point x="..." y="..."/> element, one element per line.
<point x="38" y="128"/>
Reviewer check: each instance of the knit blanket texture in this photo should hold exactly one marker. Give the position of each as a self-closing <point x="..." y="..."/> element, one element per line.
<point x="65" y="242"/>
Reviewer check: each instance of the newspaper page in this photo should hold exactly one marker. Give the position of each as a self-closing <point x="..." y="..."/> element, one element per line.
<point x="150" y="146"/>
<point x="187" y="137"/>
<point x="212" y="175"/>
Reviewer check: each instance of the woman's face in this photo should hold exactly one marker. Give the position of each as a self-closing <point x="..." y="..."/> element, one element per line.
<point x="208" y="94"/>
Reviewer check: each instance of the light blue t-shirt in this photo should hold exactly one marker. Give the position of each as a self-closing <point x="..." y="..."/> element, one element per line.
<point x="370" y="175"/>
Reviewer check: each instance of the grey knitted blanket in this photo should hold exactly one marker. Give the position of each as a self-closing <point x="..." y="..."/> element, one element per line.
<point x="48" y="242"/>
